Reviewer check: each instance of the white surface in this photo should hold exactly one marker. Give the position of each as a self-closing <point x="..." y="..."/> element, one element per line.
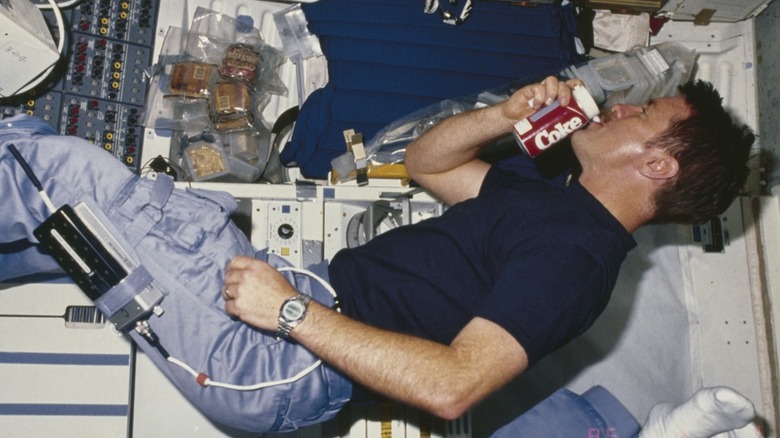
<point x="725" y="10"/>
<point x="679" y="318"/>
<point x="768" y="226"/>
<point x="37" y="384"/>
<point x="26" y="45"/>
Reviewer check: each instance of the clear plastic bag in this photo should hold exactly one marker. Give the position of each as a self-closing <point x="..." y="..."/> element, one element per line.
<point x="225" y="41"/>
<point x="635" y="76"/>
<point x="251" y="157"/>
<point x="388" y="146"/>
<point x="205" y="159"/>
<point x="179" y="87"/>
<point x="632" y="78"/>
<point x="210" y="86"/>
<point x="207" y="62"/>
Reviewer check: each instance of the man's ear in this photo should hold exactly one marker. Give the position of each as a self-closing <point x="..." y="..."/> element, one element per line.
<point x="658" y="164"/>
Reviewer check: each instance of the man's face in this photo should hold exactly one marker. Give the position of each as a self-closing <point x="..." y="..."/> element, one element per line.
<point x="625" y="129"/>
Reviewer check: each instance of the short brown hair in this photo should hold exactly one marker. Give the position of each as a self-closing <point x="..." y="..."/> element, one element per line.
<point x="712" y="152"/>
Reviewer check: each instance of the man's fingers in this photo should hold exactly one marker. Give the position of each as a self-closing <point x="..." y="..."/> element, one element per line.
<point x="226" y="293"/>
<point x="545" y="92"/>
<point x="564" y="93"/>
<point x="240" y="262"/>
<point x="551" y="89"/>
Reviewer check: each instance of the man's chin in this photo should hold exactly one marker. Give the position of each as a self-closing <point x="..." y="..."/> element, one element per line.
<point x="580" y="138"/>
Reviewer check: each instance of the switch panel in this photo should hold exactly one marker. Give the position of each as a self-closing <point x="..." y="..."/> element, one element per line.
<point x="277" y="225"/>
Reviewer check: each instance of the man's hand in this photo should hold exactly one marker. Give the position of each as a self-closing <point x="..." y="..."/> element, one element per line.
<point x="531" y="98"/>
<point x="445" y="159"/>
<point x="254" y="292"/>
<point x="443" y="379"/>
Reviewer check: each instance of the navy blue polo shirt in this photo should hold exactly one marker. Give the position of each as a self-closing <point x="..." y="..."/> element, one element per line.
<point x="536" y="257"/>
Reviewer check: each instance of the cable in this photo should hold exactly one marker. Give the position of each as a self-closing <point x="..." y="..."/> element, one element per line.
<point x="324" y="283"/>
<point x="204" y="380"/>
<point x="60" y="23"/>
<point x="63" y="5"/>
<point x="32" y="177"/>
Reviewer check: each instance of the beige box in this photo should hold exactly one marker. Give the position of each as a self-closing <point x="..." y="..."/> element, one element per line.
<point x="26" y="46"/>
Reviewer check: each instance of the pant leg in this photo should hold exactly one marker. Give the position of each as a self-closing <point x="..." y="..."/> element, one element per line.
<point x="185" y="250"/>
<point x="69" y="168"/>
<point x="594" y="414"/>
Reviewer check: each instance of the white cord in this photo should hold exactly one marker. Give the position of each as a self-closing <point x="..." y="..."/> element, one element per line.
<point x="322" y="281"/>
<point x="205" y="380"/>
<point x="60" y="22"/>
<point x="63" y="5"/>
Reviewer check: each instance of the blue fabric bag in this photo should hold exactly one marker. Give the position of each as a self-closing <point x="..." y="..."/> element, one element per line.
<point x="386" y="59"/>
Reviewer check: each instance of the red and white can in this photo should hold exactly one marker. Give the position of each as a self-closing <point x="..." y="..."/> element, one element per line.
<point x="551" y="124"/>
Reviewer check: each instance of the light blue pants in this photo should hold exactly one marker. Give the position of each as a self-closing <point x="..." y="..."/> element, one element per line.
<point x="594" y="414"/>
<point x="184" y="239"/>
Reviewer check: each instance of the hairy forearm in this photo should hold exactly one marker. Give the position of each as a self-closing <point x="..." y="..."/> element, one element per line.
<point x="444" y="380"/>
<point x="445" y="160"/>
<point x="455" y="140"/>
<point x="412" y="370"/>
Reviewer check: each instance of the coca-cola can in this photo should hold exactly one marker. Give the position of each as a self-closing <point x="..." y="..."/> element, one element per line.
<point x="554" y="122"/>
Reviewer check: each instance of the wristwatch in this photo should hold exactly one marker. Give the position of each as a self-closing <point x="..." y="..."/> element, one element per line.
<point x="292" y="313"/>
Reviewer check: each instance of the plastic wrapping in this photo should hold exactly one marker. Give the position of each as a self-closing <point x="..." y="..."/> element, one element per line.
<point x="214" y="80"/>
<point x="252" y="157"/>
<point x="297" y="41"/>
<point x="388" y="147"/>
<point x="631" y="78"/>
<point x="300" y="45"/>
<point x="223" y="40"/>
<point x="177" y="97"/>
<point x="635" y="76"/>
<point x="205" y="159"/>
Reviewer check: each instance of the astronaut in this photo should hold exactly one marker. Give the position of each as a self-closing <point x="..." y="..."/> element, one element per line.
<point x="438" y="314"/>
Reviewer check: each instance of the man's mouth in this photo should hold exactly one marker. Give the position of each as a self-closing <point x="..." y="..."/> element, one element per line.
<point x="605" y="117"/>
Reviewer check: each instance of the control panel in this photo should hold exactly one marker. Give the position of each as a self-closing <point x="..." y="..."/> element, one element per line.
<point x="98" y="88"/>
<point x="278" y="226"/>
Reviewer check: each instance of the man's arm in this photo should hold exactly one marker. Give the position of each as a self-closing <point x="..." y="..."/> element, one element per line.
<point x="444" y="160"/>
<point x="443" y="379"/>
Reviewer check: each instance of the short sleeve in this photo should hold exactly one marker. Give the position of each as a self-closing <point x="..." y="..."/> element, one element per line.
<point x="547" y="298"/>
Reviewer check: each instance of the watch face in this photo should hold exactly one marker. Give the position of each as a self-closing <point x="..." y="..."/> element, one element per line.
<point x="293" y="310"/>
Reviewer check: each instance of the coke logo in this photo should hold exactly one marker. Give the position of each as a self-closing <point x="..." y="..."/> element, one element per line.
<point x="545" y="138"/>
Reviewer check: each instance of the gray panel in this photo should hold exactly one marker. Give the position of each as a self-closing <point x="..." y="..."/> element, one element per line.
<point x="768" y="71"/>
<point x="722" y="10"/>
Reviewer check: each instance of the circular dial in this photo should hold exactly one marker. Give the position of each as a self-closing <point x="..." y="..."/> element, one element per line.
<point x="293" y="310"/>
<point x="285" y="231"/>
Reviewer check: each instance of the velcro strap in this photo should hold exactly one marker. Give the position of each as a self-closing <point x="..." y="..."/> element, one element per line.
<point x="124" y="292"/>
<point x="152" y="212"/>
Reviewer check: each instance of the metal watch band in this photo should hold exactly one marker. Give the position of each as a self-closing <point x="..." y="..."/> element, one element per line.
<point x="285" y="326"/>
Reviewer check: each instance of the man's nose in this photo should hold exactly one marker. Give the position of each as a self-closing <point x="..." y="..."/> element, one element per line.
<point x="621" y="110"/>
